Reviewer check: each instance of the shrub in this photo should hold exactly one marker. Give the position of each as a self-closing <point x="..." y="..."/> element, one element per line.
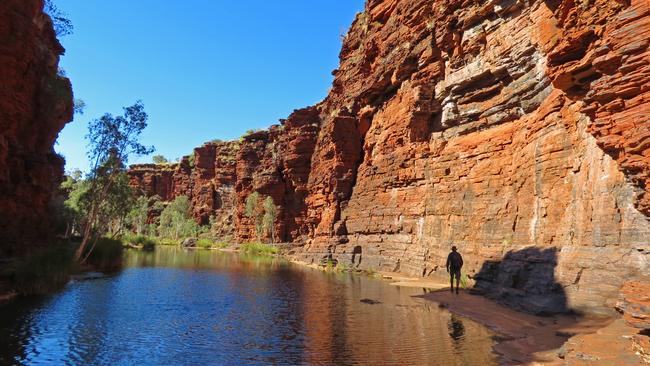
<point x="343" y="268"/>
<point x="464" y="282"/>
<point x="140" y="240"/>
<point x="45" y="270"/>
<point x="220" y="245"/>
<point x="205" y="243"/>
<point x="175" y="220"/>
<point x="159" y="159"/>
<point x="166" y="241"/>
<point x="259" y="248"/>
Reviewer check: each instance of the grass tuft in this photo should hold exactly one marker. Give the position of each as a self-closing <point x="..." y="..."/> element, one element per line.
<point x="259" y="248"/>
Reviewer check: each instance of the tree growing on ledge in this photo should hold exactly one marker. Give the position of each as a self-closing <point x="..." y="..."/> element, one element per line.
<point x="270" y="213"/>
<point x="111" y="140"/>
<point x="263" y="214"/>
<point x="255" y="211"/>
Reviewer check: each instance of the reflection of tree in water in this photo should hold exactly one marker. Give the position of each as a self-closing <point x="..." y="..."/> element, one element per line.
<point x="456" y="329"/>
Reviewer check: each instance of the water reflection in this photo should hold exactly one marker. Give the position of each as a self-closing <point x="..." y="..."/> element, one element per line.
<point x="456" y="329"/>
<point x="201" y="307"/>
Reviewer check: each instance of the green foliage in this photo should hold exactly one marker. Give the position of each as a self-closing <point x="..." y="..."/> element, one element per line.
<point x="343" y="268"/>
<point x="252" y="203"/>
<point x="329" y="265"/>
<point x="166" y="241"/>
<point x="142" y="241"/>
<point x="270" y="214"/>
<point x="137" y="217"/>
<point x="205" y="243"/>
<point x="111" y="140"/>
<point x="255" y="211"/>
<point x="45" y="270"/>
<point x="110" y="215"/>
<point x="252" y="131"/>
<point x="175" y="220"/>
<point x="263" y="214"/>
<point x="159" y="159"/>
<point x="62" y="25"/>
<point x="79" y="105"/>
<point x="191" y="159"/>
<point x="464" y="281"/>
<point x="220" y="245"/>
<point x="259" y="248"/>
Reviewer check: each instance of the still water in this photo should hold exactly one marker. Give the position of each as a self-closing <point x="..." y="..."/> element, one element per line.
<point x="180" y="307"/>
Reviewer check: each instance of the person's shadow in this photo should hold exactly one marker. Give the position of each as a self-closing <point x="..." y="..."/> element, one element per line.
<point x="524" y="279"/>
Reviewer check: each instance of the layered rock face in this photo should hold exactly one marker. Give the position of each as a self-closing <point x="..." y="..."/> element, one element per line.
<point x="221" y="175"/>
<point x="516" y="130"/>
<point x="35" y="104"/>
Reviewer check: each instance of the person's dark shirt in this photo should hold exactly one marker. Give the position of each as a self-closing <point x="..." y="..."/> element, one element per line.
<point x="454" y="261"/>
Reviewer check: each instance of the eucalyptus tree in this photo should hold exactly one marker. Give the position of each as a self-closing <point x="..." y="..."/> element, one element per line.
<point x="111" y="141"/>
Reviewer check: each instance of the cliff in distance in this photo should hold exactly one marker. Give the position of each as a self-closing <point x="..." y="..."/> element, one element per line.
<point x="517" y="130"/>
<point x="35" y="104"/>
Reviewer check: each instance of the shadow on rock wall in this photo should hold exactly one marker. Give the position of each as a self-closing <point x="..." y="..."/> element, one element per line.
<point x="524" y="279"/>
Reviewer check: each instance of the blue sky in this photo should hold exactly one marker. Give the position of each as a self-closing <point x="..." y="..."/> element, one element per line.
<point x="205" y="69"/>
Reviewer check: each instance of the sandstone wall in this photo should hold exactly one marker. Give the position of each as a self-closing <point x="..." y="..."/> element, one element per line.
<point x="35" y="104"/>
<point x="517" y="130"/>
<point x="220" y="176"/>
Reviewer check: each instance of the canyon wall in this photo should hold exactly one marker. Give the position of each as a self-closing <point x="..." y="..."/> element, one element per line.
<point x="517" y="130"/>
<point x="35" y="104"/>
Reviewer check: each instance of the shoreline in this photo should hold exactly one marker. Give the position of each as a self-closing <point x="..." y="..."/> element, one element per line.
<point x="521" y="338"/>
<point x="527" y="339"/>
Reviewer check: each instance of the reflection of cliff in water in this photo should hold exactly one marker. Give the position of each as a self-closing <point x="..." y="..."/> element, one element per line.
<point x="206" y="306"/>
<point x="341" y="329"/>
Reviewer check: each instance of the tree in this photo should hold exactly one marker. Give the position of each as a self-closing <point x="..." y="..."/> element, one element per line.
<point x="263" y="214"/>
<point x="79" y="106"/>
<point x="159" y="159"/>
<point x="112" y="140"/>
<point x="270" y="214"/>
<point x="255" y="211"/>
<point x="139" y="214"/>
<point x="176" y="221"/>
<point x="62" y="25"/>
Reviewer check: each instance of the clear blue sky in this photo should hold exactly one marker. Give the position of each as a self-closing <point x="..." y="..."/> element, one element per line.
<point x="205" y="69"/>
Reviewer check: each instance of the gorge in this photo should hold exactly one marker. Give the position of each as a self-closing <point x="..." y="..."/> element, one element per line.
<point x="516" y="130"/>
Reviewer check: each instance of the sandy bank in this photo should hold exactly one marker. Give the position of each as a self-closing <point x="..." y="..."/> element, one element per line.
<point x="527" y="339"/>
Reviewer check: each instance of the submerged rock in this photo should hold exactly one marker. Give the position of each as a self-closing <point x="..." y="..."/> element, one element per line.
<point x="370" y="301"/>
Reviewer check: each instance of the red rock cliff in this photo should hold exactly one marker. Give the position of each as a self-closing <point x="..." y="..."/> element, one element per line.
<point x="516" y="130"/>
<point x="35" y="104"/>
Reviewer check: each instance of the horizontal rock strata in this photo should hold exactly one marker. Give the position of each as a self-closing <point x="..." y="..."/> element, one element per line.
<point x="515" y="130"/>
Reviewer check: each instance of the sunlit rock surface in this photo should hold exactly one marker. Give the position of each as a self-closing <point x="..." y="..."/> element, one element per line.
<point x="518" y="131"/>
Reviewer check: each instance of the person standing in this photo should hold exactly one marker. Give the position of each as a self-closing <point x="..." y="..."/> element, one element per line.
<point x="454" y="264"/>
